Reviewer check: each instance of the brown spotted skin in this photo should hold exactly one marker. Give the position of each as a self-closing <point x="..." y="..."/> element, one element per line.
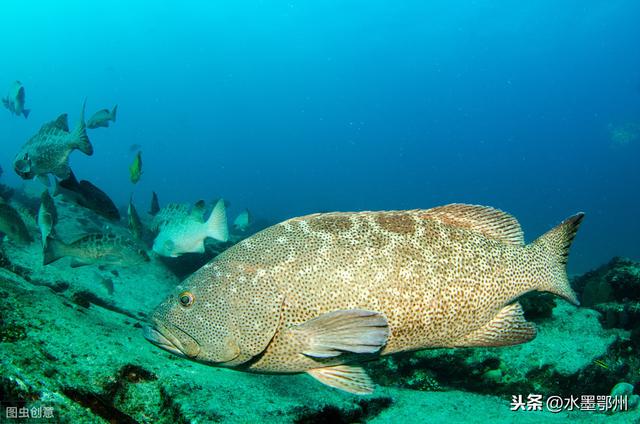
<point x="433" y="275"/>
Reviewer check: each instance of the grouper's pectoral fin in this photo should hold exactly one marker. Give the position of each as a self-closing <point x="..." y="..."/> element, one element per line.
<point x="333" y="333"/>
<point x="507" y="328"/>
<point x="62" y="171"/>
<point x="350" y="378"/>
<point x="77" y="263"/>
<point x="44" y="179"/>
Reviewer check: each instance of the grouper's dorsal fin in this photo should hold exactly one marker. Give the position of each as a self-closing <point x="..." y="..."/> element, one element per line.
<point x="197" y="211"/>
<point x="60" y="123"/>
<point x="492" y="223"/>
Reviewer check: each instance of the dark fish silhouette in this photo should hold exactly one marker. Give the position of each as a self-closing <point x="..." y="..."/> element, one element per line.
<point x="155" y="205"/>
<point x="135" y="224"/>
<point x="88" y="196"/>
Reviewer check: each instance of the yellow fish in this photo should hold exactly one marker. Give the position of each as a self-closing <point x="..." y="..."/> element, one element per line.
<point x="321" y="293"/>
<point x="135" y="169"/>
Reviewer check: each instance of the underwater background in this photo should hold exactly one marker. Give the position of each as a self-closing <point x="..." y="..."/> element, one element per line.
<point x="291" y="107"/>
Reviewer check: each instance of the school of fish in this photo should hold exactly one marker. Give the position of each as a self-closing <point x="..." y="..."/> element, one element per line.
<point x="318" y="294"/>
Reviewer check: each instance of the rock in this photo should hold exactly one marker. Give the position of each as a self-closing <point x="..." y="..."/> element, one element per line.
<point x="614" y="291"/>
<point x="6" y="192"/>
<point x="626" y="390"/>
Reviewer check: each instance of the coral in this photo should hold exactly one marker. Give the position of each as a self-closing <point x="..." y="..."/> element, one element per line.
<point x="619" y="315"/>
<point x="537" y="306"/>
<point x="617" y="281"/>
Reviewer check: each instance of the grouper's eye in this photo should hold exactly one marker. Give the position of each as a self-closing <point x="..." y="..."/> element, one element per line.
<point x="186" y="299"/>
<point x="23" y="165"/>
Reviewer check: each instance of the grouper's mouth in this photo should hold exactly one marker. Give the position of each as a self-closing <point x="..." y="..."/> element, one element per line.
<point x="160" y="336"/>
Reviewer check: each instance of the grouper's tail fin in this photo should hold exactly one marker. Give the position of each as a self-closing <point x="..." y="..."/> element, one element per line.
<point x="217" y="223"/>
<point x="81" y="138"/>
<point x="553" y="247"/>
<point x="52" y="250"/>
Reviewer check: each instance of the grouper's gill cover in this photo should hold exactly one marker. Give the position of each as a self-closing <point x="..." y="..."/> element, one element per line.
<point x="320" y="293"/>
<point x="228" y="329"/>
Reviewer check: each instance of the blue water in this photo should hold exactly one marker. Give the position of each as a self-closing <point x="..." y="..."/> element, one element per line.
<point x="296" y="107"/>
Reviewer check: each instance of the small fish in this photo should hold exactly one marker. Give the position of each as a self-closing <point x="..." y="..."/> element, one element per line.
<point x="135" y="169"/>
<point x="47" y="152"/>
<point x="46" y="225"/>
<point x="242" y="221"/>
<point x="323" y="292"/>
<point x="12" y="225"/>
<point x="47" y="216"/>
<point x="185" y="233"/>
<point x="15" y="100"/>
<point x="155" y="205"/>
<point x="103" y="248"/>
<point x="87" y="195"/>
<point x="135" y="225"/>
<point x="102" y="117"/>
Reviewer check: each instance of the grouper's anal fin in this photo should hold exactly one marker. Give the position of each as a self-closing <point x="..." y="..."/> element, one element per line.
<point x="507" y="328"/>
<point x="62" y="171"/>
<point x="350" y="378"/>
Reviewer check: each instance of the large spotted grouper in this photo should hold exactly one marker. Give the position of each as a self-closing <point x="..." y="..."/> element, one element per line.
<point x="323" y="292"/>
